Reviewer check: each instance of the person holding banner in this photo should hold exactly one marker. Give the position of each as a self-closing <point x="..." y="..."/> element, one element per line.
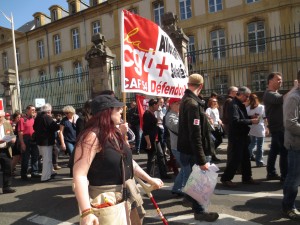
<point x="193" y="138"/>
<point x="153" y="147"/>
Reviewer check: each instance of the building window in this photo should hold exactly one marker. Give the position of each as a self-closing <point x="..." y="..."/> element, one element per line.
<point x="221" y="84"/>
<point x="215" y="5"/>
<point x="259" y="80"/>
<point x="158" y="12"/>
<point x="57" y="44"/>
<point x="93" y="2"/>
<point x="96" y="27"/>
<point x="133" y="10"/>
<point x="54" y="15"/>
<point x="41" y="50"/>
<point x="217" y="39"/>
<point x="59" y="75"/>
<point x="5" y="61"/>
<point x="43" y="79"/>
<point x="37" y="21"/>
<point x="75" y="38"/>
<point x="185" y="9"/>
<point x="251" y="1"/>
<point x="256" y="37"/>
<point x="191" y="50"/>
<point x="78" y="71"/>
<point x="72" y="8"/>
<point x="18" y="56"/>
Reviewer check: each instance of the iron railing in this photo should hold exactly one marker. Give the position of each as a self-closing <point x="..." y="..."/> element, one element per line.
<point x="237" y="64"/>
<point x="70" y="89"/>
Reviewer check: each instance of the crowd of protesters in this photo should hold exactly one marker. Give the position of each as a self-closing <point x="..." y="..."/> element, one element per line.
<point x="188" y="130"/>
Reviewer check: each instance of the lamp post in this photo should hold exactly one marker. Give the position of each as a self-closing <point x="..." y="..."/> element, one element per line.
<point x="11" y="20"/>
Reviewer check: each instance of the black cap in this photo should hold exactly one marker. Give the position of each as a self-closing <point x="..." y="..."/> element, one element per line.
<point x="102" y="102"/>
<point x="152" y="102"/>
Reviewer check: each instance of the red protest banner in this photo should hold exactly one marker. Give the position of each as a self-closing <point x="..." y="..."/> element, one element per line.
<point x="142" y="105"/>
<point x="150" y="62"/>
<point x="1" y="104"/>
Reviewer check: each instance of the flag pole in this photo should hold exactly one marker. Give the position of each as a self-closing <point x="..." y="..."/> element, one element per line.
<point x="124" y="108"/>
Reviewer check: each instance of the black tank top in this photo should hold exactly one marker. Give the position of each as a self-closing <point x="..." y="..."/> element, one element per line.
<point x="106" y="168"/>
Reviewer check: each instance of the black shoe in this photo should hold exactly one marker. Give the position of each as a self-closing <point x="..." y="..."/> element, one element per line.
<point x="206" y="216"/>
<point x="261" y="165"/>
<point x="215" y="159"/>
<point x="229" y="184"/>
<point x="53" y="175"/>
<point x="179" y="194"/>
<point x="8" y="190"/>
<point x="47" y="180"/>
<point x="25" y="178"/>
<point x="166" y="177"/>
<point x="35" y="175"/>
<point x="274" y="176"/>
<point x="251" y="181"/>
<point x="138" y="152"/>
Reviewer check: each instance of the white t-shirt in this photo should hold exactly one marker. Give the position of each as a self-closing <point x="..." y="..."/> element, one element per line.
<point x="214" y="114"/>
<point x="257" y="130"/>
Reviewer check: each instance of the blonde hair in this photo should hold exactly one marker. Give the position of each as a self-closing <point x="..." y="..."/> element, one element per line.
<point x="69" y="108"/>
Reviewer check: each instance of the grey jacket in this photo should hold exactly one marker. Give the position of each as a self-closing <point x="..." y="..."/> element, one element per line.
<point x="171" y="122"/>
<point x="291" y="119"/>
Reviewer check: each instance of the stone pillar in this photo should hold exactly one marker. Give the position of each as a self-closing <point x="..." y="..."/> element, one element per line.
<point x="100" y="59"/>
<point x="10" y="91"/>
<point x="180" y="40"/>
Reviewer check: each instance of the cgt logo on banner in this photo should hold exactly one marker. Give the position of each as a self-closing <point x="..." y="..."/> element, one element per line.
<point x="150" y="62"/>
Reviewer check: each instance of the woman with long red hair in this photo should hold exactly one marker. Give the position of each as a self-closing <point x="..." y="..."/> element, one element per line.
<point x="98" y="156"/>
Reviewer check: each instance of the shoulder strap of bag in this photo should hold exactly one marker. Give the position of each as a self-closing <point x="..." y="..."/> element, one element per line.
<point x="124" y="188"/>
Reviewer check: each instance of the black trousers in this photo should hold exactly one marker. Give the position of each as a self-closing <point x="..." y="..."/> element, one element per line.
<point x="239" y="156"/>
<point x="157" y="151"/>
<point x="6" y="165"/>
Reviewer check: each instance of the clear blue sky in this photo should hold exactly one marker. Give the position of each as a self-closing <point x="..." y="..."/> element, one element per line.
<point x="23" y="10"/>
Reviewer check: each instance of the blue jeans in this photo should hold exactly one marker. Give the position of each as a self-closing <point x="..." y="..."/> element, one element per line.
<point x="292" y="180"/>
<point x="182" y="176"/>
<point x="258" y="142"/>
<point x="70" y="147"/>
<point x="138" y="136"/>
<point x="277" y="147"/>
<point x="187" y="163"/>
<point x="33" y="152"/>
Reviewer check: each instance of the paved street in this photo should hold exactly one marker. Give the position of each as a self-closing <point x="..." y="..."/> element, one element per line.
<point x="54" y="202"/>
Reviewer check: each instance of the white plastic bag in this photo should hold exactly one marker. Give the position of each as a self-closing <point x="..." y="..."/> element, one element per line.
<point x="201" y="184"/>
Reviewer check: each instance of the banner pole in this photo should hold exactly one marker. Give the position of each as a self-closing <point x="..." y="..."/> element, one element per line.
<point x="124" y="108"/>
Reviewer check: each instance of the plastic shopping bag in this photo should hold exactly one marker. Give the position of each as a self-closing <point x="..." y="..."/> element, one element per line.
<point x="201" y="184"/>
